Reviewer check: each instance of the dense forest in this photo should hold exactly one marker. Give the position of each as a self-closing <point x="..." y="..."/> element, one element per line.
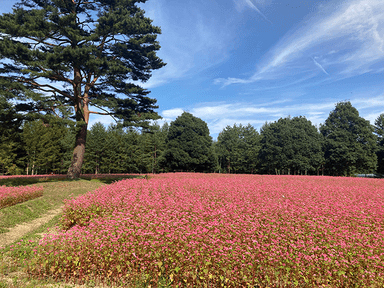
<point x="344" y="145"/>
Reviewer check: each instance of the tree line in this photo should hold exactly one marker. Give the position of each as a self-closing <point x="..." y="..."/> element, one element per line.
<point x="344" y="145"/>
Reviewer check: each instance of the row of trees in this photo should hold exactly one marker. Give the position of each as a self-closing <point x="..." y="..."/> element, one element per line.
<point x="345" y="144"/>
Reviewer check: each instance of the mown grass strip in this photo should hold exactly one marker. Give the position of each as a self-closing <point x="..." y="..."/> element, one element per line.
<point x="54" y="194"/>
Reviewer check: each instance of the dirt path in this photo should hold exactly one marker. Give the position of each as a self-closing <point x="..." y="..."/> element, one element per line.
<point x="20" y="230"/>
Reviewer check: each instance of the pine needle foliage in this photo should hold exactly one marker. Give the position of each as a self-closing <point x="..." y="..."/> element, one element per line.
<point x="73" y="58"/>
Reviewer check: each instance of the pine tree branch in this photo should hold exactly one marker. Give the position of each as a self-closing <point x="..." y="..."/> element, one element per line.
<point x="39" y="87"/>
<point x="57" y="76"/>
<point x="100" y="113"/>
<point x="41" y="41"/>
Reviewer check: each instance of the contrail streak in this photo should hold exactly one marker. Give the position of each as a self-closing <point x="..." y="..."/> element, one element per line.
<point x="318" y="65"/>
<point x="249" y="2"/>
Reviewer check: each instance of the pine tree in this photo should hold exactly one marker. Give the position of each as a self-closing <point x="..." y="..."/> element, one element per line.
<point x="115" y="150"/>
<point x="152" y="145"/>
<point x="132" y="151"/>
<point x="62" y="57"/>
<point x="44" y="145"/>
<point x="96" y="148"/>
<point x="11" y="150"/>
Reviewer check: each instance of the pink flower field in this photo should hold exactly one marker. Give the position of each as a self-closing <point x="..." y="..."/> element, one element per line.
<point x="13" y="195"/>
<point x="212" y="230"/>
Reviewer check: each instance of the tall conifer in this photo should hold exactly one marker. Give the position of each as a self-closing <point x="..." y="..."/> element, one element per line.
<point x="66" y="57"/>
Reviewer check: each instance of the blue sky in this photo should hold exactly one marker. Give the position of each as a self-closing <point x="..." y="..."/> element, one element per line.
<point x="252" y="61"/>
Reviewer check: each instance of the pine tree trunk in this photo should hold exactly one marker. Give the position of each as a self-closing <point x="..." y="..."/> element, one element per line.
<point x="74" y="169"/>
<point x="82" y="115"/>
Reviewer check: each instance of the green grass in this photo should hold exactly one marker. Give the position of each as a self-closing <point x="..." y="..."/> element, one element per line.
<point x="12" y="182"/>
<point x="53" y="195"/>
<point x="23" y="181"/>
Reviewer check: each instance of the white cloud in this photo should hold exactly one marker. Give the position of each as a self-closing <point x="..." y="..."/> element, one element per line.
<point x="351" y="38"/>
<point x="215" y="127"/>
<point x="218" y="115"/>
<point x="172" y="113"/>
<point x="192" y="40"/>
<point x="105" y="120"/>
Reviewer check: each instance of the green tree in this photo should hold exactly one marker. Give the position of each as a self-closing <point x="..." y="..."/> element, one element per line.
<point x="237" y="148"/>
<point x="290" y="146"/>
<point x="116" y="150"/>
<point x="152" y="145"/>
<point x="350" y="145"/>
<point x="189" y="146"/>
<point x="67" y="143"/>
<point x="43" y="143"/>
<point x="132" y="151"/>
<point x="63" y="56"/>
<point x="379" y="131"/>
<point x="11" y="150"/>
<point x="95" y="148"/>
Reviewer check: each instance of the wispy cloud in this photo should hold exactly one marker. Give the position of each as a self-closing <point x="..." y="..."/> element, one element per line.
<point x="192" y="39"/>
<point x="172" y="113"/>
<point x="218" y="115"/>
<point x="241" y="5"/>
<point x="351" y="38"/>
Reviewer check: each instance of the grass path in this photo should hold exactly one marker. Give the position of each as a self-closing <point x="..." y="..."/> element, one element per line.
<point x="21" y="230"/>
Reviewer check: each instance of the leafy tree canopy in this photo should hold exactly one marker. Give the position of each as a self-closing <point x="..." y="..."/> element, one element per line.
<point x="379" y="131"/>
<point x="292" y="145"/>
<point x="237" y="148"/>
<point x="350" y="145"/>
<point x="189" y="146"/>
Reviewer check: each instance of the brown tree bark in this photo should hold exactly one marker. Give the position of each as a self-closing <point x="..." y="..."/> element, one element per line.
<point x="82" y="115"/>
<point x="74" y="169"/>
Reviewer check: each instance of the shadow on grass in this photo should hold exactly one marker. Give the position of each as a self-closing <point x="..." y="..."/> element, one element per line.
<point x="12" y="182"/>
<point x="109" y="180"/>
